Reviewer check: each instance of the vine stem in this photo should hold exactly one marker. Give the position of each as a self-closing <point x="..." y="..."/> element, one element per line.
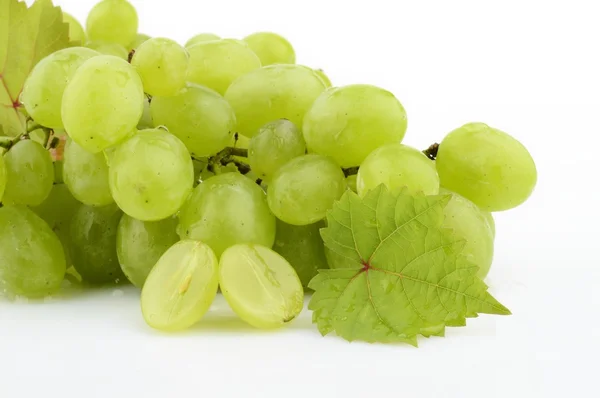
<point x="432" y="151"/>
<point x="350" y="171"/>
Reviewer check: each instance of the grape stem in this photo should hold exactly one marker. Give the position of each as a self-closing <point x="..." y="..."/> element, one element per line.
<point x="350" y="171"/>
<point x="432" y="151"/>
<point x="8" y="142"/>
<point x="226" y="156"/>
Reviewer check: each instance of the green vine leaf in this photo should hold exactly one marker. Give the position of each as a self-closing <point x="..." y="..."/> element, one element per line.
<point x="405" y="274"/>
<point x="26" y="36"/>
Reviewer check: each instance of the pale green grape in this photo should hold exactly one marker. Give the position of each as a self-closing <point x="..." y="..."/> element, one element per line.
<point x="29" y="174"/>
<point x="217" y="63"/>
<point x="162" y="65"/>
<point x="58" y="210"/>
<point x="271" y="93"/>
<point x="348" y="123"/>
<point x="271" y="48"/>
<point x="490" y="219"/>
<point x="227" y="209"/>
<point x="32" y="261"/>
<point x="200" y="38"/>
<point x="139" y="39"/>
<point x="2" y="176"/>
<point x="181" y="286"/>
<point x="198" y="116"/>
<point x="145" y="121"/>
<point x="261" y="287"/>
<point x="399" y="167"/>
<point x="76" y="32"/>
<point x="141" y="243"/>
<point x="302" y="247"/>
<point x="43" y="91"/>
<point x="351" y="183"/>
<point x="93" y="236"/>
<point x="86" y="175"/>
<point x="470" y="224"/>
<point x="106" y="48"/>
<point x="151" y="175"/>
<point x="275" y="144"/>
<point x="302" y="191"/>
<point x="324" y="77"/>
<point x="113" y="21"/>
<point x="102" y="103"/>
<point x="486" y="166"/>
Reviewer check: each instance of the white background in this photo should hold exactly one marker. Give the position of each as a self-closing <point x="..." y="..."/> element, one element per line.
<point x="530" y="68"/>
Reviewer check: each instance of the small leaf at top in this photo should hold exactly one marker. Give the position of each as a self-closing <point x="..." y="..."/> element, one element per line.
<point x="26" y="36"/>
<point x="405" y="274"/>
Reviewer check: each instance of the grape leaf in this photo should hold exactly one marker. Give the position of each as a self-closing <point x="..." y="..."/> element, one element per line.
<point x="26" y="36"/>
<point x="405" y="274"/>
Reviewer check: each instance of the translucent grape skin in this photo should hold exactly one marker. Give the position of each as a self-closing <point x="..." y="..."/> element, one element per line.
<point x="200" y="38"/>
<point x="162" y="65"/>
<point x="490" y="219"/>
<point x="271" y="48"/>
<point x="181" y="286"/>
<point x="32" y="261"/>
<point x="44" y="88"/>
<point x="105" y="48"/>
<point x="86" y="175"/>
<point x="225" y="210"/>
<point x="2" y="176"/>
<point x="302" y="246"/>
<point x="113" y="21"/>
<point x="140" y="244"/>
<point x="471" y="224"/>
<point x="93" y="235"/>
<point x="151" y="175"/>
<point x="273" y="92"/>
<point x="145" y="121"/>
<point x="102" y="103"/>
<point x="29" y="174"/>
<point x="398" y="167"/>
<point x="302" y="191"/>
<point x="324" y="77"/>
<point x="76" y="32"/>
<point x="348" y="123"/>
<point x="486" y="166"/>
<point x="139" y="39"/>
<point x="217" y="63"/>
<point x="275" y="144"/>
<point x="351" y="183"/>
<point x="198" y="116"/>
<point x="261" y="287"/>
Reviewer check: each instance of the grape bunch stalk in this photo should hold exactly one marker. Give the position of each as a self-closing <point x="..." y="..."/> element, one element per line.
<point x="185" y="169"/>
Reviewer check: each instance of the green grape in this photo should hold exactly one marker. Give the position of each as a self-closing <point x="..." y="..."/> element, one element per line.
<point x="217" y="63"/>
<point x="103" y="103"/>
<point x="29" y="174"/>
<point x="86" y="175"/>
<point x="486" y="166"/>
<point x="348" y="123"/>
<point x="93" y="236"/>
<point x="140" y="244"/>
<point x="32" y="261"/>
<point x="162" y="65"/>
<point x="200" y="38"/>
<point x="351" y="183"/>
<point x="145" y="121"/>
<point x="43" y="91"/>
<point x="105" y="48"/>
<point x="151" y="175"/>
<point x="198" y="116"/>
<point x="58" y="210"/>
<point x="76" y="32"/>
<point x="271" y="48"/>
<point x="490" y="219"/>
<point x="139" y="39"/>
<point x="470" y="224"/>
<point x="302" y="247"/>
<point x="302" y="191"/>
<point x="2" y="176"/>
<point x="261" y="287"/>
<point x="271" y="93"/>
<point x="113" y="21"/>
<point x="275" y="144"/>
<point x="181" y="286"/>
<point x="399" y="167"/>
<point x="227" y="209"/>
<point x="324" y="77"/>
